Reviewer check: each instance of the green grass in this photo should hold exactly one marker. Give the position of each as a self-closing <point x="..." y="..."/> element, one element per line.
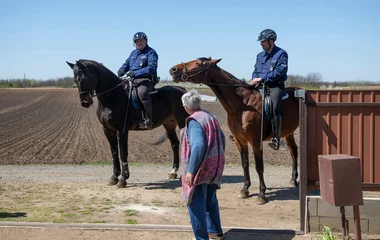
<point x="131" y="221"/>
<point x="327" y="234"/>
<point x="87" y="210"/>
<point x="130" y="212"/>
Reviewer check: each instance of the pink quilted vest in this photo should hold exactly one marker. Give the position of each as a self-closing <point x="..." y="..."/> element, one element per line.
<point x="211" y="168"/>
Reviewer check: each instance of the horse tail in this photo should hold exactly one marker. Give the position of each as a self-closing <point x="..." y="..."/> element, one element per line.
<point x="161" y="140"/>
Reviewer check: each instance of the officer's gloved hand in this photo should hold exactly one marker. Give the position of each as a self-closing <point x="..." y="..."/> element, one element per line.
<point x="130" y="74"/>
<point x="120" y="73"/>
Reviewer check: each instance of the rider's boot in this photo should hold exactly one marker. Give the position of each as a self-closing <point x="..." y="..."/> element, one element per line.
<point x="147" y="122"/>
<point x="274" y="143"/>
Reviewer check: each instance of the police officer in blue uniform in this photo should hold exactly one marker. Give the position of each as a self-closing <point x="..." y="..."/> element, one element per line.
<point x="271" y="68"/>
<point x="142" y="66"/>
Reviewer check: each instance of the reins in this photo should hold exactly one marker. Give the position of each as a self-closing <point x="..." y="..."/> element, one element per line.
<point x="185" y="76"/>
<point x="92" y="94"/>
<point x="109" y="90"/>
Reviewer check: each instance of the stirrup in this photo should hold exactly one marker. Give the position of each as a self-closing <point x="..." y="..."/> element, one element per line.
<point x="274" y="144"/>
<point x="145" y="123"/>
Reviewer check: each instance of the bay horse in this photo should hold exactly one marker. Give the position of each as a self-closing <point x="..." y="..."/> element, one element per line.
<point x="243" y="105"/>
<point x="94" y="79"/>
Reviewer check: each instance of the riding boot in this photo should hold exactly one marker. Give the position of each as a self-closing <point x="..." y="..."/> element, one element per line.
<point x="147" y="122"/>
<point x="274" y="143"/>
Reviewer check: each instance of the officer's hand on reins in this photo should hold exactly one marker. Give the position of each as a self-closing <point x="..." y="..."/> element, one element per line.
<point x="255" y="82"/>
<point x="126" y="78"/>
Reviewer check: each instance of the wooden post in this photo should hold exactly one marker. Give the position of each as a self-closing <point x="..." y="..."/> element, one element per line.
<point x="358" y="231"/>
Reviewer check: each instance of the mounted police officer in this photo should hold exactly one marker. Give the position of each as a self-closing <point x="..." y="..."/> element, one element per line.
<point x="271" y="68"/>
<point x="142" y="66"/>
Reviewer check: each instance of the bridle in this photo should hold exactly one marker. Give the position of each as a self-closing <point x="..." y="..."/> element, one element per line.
<point x="82" y="76"/>
<point x="185" y="76"/>
<point x="82" y="73"/>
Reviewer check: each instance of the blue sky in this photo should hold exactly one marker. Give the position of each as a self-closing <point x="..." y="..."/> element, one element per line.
<point x="339" y="39"/>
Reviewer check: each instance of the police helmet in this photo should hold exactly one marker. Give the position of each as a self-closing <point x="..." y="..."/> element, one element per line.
<point x="139" y="35"/>
<point x="267" y="34"/>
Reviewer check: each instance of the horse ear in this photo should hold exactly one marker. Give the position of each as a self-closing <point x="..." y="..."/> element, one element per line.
<point x="70" y="64"/>
<point x="216" y="61"/>
<point x="80" y="65"/>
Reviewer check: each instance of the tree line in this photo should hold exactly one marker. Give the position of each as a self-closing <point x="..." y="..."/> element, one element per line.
<point x="308" y="81"/>
<point x="65" y="82"/>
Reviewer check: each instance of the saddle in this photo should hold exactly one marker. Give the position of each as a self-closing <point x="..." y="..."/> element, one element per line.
<point x="267" y="101"/>
<point x="131" y="89"/>
<point x="135" y="97"/>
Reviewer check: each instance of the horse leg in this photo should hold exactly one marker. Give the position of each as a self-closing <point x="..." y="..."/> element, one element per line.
<point x="243" y="149"/>
<point x="174" y="142"/>
<point x="258" y="154"/>
<point x="112" y="140"/>
<point x="123" y="146"/>
<point x="294" y="152"/>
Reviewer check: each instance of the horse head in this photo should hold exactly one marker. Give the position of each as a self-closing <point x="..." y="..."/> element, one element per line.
<point x="194" y="71"/>
<point x="85" y="81"/>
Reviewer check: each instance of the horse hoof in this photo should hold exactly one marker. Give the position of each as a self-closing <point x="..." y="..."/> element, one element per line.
<point x="172" y="176"/>
<point x="293" y="183"/>
<point x="112" y="181"/>
<point x="243" y="194"/>
<point x="261" y="200"/>
<point x="121" y="185"/>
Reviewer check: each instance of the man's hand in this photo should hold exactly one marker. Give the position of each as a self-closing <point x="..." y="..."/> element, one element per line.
<point x="131" y="74"/>
<point x="189" y="178"/>
<point x="120" y="73"/>
<point x="255" y="81"/>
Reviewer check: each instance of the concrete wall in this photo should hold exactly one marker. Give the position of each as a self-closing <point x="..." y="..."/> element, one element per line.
<point x="320" y="212"/>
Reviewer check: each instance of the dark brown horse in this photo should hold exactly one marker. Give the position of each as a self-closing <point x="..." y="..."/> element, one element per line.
<point x="244" y="108"/>
<point x="94" y="79"/>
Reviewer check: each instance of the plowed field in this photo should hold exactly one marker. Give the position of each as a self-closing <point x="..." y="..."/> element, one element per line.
<point x="48" y="126"/>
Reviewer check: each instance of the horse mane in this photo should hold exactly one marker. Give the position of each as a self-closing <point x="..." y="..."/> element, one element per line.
<point x="233" y="79"/>
<point x="97" y="65"/>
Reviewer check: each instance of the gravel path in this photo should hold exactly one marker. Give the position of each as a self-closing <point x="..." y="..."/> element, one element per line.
<point x="275" y="176"/>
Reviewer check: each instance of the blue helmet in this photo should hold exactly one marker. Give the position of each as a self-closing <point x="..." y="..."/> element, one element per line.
<point x="267" y="34"/>
<point x="139" y="35"/>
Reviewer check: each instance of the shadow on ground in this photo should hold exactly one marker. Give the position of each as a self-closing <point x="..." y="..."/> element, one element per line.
<point x="261" y="234"/>
<point x="12" y="215"/>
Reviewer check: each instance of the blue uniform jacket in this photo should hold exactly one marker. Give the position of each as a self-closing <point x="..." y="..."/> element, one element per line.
<point x="271" y="67"/>
<point x="143" y="63"/>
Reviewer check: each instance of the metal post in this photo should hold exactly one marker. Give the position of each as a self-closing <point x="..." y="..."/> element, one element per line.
<point x="344" y="221"/>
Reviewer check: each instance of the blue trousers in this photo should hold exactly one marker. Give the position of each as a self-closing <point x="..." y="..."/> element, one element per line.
<point x="204" y="211"/>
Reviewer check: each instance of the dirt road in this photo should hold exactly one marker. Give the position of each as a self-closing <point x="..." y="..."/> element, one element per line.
<point x="65" y="194"/>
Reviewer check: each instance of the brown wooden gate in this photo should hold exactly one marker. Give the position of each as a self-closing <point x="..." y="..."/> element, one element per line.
<point x="338" y="122"/>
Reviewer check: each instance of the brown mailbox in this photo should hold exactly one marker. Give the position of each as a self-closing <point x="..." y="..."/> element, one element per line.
<point x="340" y="180"/>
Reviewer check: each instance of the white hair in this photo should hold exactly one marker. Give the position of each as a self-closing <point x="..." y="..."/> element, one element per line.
<point x="192" y="100"/>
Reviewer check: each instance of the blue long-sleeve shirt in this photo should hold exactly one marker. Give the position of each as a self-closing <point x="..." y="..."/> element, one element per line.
<point x="271" y="67"/>
<point x="197" y="143"/>
<point x="143" y="63"/>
